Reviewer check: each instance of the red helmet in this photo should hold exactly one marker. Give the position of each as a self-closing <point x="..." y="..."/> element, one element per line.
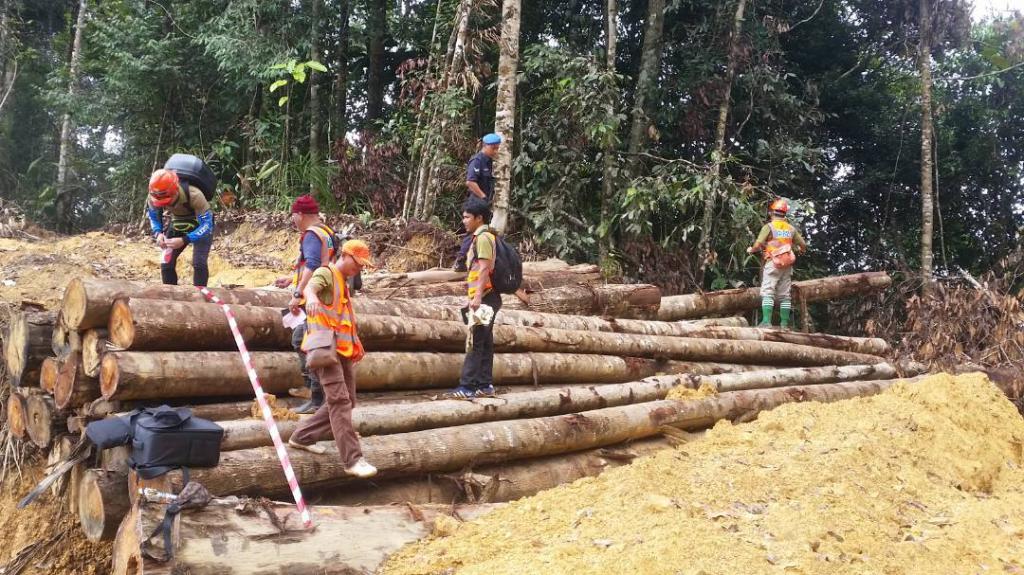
<point x="163" y="188"/>
<point x="779" y="206"/>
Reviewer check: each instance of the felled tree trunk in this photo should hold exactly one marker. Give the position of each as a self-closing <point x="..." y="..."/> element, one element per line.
<point x="258" y="470"/>
<point x="63" y="340"/>
<point x="44" y="420"/>
<point x="869" y="345"/>
<point x="17" y="415"/>
<point x="535" y="282"/>
<point x="94" y="344"/>
<point x="26" y="345"/>
<point x="617" y="300"/>
<point x="495" y="483"/>
<point x="235" y="538"/>
<point x="160" y="325"/>
<point x="796" y="376"/>
<point x="129" y="375"/>
<point x="733" y="301"/>
<point x="74" y="388"/>
<point x="102" y="503"/>
<point x="48" y="374"/>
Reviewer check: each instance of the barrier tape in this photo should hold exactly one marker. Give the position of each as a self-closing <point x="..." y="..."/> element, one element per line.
<point x="268" y="415"/>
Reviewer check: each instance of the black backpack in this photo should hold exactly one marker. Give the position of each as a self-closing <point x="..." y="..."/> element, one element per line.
<point x="161" y="438"/>
<point x="194" y="172"/>
<point x="508" y="267"/>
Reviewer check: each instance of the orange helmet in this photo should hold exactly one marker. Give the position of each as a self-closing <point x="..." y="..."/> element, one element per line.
<point x="779" y="206"/>
<point x="163" y="188"/>
<point x="359" y="252"/>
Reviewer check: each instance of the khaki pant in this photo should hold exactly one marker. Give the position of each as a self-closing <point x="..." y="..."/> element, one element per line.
<point x="334" y="418"/>
<point x="776" y="282"/>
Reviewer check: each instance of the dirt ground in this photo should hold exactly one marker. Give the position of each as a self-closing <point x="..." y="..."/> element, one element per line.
<point x="924" y="479"/>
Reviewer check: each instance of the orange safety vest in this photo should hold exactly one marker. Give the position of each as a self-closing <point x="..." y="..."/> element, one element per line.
<point x="327" y="247"/>
<point x="474" y="274"/>
<point x="340" y="318"/>
<point x="782" y="235"/>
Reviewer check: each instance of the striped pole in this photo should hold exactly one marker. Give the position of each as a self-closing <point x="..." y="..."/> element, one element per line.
<point x="268" y="415"/>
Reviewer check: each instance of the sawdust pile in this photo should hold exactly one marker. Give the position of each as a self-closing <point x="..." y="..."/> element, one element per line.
<point x="925" y="478"/>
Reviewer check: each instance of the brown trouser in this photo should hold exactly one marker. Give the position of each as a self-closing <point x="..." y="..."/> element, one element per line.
<point x="335" y="416"/>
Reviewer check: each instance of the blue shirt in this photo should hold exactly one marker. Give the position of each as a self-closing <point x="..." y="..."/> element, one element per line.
<point x="481" y="170"/>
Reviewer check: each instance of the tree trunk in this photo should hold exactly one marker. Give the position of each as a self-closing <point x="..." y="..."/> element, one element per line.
<point x="616" y="300"/>
<point x="742" y="300"/>
<point x="376" y="29"/>
<point x="384" y="419"/>
<point x="718" y="154"/>
<point x="314" y="90"/>
<point x="608" y="198"/>
<point x="154" y="325"/>
<point x="129" y="376"/>
<point x="340" y="122"/>
<point x="868" y="345"/>
<point x="44" y="422"/>
<point x="87" y="302"/>
<point x="17" y="414"/>
<point x="452" y="448"/>
<point x="48" y="374"/>
<point x="229" y="537"/>
<point x="95" y="343"/>
<point x="647" y="79"/>
<point x="380" y="332"/>
<point x="64" y="341"/>
<point x="102" y="503"/>
<point x="26" y="346"/>
<point x="74" y="388"/>
<point x="924" y="67"/>
<point x="62" y="201"/>
<point x="499" y="482"/>
<point x="532" y="282"/>
<point x="505" y="113"/>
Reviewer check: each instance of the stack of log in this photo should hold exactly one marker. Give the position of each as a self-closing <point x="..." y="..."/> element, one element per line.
<point x="578" y="392"/>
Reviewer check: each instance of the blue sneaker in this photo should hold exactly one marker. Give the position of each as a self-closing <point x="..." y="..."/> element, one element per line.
<point x="486" y="391"/>
<point x="461" y="392"/>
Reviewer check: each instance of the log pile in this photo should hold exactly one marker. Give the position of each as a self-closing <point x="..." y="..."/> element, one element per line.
<point x="579" y="392"/>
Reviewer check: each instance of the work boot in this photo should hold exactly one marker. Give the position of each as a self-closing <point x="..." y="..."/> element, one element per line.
<point x="767" y="309"/>
<point x="361" y="468"/>
<point x="316" y="399"/>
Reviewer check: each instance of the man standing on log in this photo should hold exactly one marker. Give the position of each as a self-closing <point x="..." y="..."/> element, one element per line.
<point x="191" y="223"/>
<point x="482" y="306"/>
<point x="316" y="249"/>
<point x="329" y="306"/>
<point x="480" y="183"/>
<point x="779" y="239"/>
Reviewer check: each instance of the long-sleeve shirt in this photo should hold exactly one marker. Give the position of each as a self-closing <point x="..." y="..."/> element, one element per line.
<point x="189" y="207"/>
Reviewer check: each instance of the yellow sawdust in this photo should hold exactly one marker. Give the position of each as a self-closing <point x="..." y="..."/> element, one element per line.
<point x="281" y="412"/>
<point x="925" y="478"/>
<point x="683" y="393"/>
<point x="419" y="253"/>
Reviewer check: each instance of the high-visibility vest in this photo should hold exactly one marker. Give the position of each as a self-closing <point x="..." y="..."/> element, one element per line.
<point x="340" y="318"/>
<point x="782" y="235"/>
<point x="327" y="248"/>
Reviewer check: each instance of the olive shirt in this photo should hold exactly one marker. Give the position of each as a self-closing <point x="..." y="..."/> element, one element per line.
<point x="323" y="284"/>
<point x="482" y="249"/>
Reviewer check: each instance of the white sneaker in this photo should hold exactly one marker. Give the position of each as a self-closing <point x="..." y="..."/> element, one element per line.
<point x="312" y="448"/>
<point x="361" y="468"/>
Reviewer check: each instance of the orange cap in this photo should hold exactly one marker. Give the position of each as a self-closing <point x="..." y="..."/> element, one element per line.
<point x="163" y="187"/>
<point x="780" y="206"/>
<point x="359" y="251"/>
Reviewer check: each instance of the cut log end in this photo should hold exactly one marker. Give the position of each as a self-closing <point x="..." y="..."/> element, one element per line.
<point x="42" y="419"/>
<point x="16" y="347"/>
<point x="121" y="326"/>
<point x="74" y="388"/>
<point x="110" y="374"/>
<point x="17" y="415"/>
<point x="73" y="306"/>
<point x="94" y="345"/>
<point x="102" y="503"/>
<point x="48" y="374"/>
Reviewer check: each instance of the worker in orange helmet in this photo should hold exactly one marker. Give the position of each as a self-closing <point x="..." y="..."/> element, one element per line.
<point x="780" y="242"/>
<point x="191" y="222"/>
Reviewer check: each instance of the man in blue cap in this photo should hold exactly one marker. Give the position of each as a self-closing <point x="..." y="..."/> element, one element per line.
<point x="480" y="183"/>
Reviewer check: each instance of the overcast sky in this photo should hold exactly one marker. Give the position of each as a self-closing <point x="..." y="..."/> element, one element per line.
<point x="984" y="8"/>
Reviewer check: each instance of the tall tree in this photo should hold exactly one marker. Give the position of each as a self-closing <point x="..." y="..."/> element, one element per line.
<point x="339" y="123"/>
<point x="63" y="201"/>
<point x="505" y="114"/>
<point x="718" y="154"/>
<point x="8" y="60"/>
<point x="608" y="175"/>
<point x="314" y="89"/>
<point x="924" y="68"/>
<point x="376" y="28"/>
<point x="650" y="67"/>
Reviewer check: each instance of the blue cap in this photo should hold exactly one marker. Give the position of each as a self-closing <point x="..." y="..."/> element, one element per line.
<point x="491" y="139"/>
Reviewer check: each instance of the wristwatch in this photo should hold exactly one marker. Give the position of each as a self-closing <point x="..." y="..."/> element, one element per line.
<point x="297" y="294"/>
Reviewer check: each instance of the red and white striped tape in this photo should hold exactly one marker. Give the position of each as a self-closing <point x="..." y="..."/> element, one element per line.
<point x="268" y="415"/>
